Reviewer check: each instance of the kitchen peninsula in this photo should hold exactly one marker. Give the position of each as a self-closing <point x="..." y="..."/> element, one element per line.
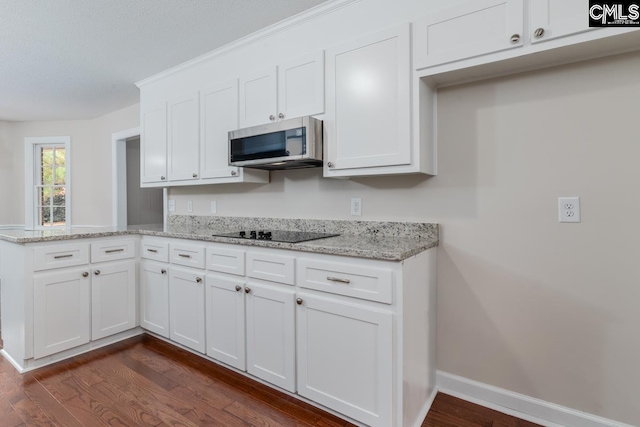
<point x="338" y="321"/>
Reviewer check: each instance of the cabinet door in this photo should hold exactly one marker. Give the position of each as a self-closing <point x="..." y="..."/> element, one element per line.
<point x="218" y="116"/>
<point x="154" y="298"/>
<point x="258" y="97"/>
<point x="113" y="299"/>
<point x="184" y="138"/>
<point x="271" y="335"/>
<point x="368" y="101"/>
<point x="301" y="86"/>
<point x="153" y="144"/>
<point x="345" y="360"/>
<point x="471" y="29"/>
<point x="186" y="308"/>
<point x="61" y="311"/>
<point x="557" y="18"/>
<point x="225" y="320"/>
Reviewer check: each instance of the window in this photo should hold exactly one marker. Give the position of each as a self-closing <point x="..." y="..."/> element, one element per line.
<point x="47" y="179"/>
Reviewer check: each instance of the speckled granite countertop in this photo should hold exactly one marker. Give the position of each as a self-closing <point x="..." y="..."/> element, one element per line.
<point x="390" y="241"/>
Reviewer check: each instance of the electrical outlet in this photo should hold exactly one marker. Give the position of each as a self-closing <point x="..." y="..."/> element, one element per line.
<point x="569" y="209"/>
<point x="356" y="207"/>
<point x="189" y="206"/>
<point x="172" y="205"/>
<point x="214" y="206"/>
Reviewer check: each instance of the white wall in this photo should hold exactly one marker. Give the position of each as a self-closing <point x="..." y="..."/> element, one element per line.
<point x="525" y="303"/>
<point x="90" y="164"/>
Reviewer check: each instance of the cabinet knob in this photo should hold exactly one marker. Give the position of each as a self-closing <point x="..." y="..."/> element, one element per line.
<point x="238" y="288"/>
<point x="515" y="38"/>
<point x="281" y="116"/>
<point x="272" y="117"/>
<point x="162" y="178"/>
<point x="234" y="173"/>
<point x="195" y="175"/>
<point x="163" y="271"/>
<point x="198" y="279"/>
<point x="330" y="164"/>
<point x="299" y="301"/>
<point x="97" y="272"/>
<point x="85" y="274"/>
<point x="247" y="290"/>
<point x="539" y="32"/>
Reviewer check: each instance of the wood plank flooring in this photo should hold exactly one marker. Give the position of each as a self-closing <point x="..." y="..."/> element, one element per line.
<point x="144" y="381"/>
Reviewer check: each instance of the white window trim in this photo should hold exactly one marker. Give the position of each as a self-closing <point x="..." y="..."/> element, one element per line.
<point x="30" y="174"/>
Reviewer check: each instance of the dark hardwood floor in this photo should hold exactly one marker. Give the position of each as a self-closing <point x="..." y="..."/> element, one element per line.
<point x="146" y="382"/>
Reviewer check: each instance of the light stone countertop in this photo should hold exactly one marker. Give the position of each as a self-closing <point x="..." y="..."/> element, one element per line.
<point x="374" y="245"/>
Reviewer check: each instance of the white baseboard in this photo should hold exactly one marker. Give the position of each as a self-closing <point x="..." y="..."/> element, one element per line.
<point x="10" y="226"/>
<point x="426" y="408"/>
<point x="519" y="405"/>
<point x="12" y="361"/>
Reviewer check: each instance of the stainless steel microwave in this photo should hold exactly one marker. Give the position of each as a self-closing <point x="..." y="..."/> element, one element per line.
<point x="288" y="144"/>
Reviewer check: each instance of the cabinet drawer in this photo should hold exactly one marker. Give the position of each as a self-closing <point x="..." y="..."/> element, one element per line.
<point x="187" y="255"/>
<point x="112" y="250"/>
<point x="59" y="256"/>
<point x="275" y="268"/>
<point x="225" y="260"/>
<point x="157" y="250"/>
<point x="374" y="284"/>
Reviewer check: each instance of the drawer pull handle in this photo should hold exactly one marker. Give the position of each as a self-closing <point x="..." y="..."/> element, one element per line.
<point x="155" y="251"/>
<point x="339" y="280"/>
<point x="184" y="256"/>
<point x="247" y="290"/>
<point x="238" y="288"/>
<point x="97" y="272"/>
<point x="85" y="274"/>
<point x="111" y="251"/>
<point x="63" y="256"/>
<point x="199" y="279"/>
<point x="299" y="301"/>
<point x="163" y="271"/>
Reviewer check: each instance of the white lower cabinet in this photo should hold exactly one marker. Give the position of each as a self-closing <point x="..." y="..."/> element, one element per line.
<point x="226" y="320"/>
<point x="271" y="334"/>
<point x="113" y="299"/>
<point x="154" y="297"/>
<point x="61" y="316"/>
<point x="345" y="358"/>
<point x="186" y="308"/>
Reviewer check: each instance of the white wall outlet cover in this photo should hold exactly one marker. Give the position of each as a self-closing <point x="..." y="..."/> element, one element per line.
<point x="569" y="209"/>
<point x="172" y="205"/>
<point x="214" y="206"/>
<point x="356" y="207"/>
<point x="189" y="206"/>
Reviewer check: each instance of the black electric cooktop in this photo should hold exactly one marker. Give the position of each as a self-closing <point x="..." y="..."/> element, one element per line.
<point x="276" y="235"/>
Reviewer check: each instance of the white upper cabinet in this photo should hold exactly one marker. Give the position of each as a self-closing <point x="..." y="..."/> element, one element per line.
<point x="258" y="97"/>
<point x="293" y="88"/>
<point x="301" y="86"/>
<point x="153" y="147"/>
<point x="471" y="29"/>
<point x="184" y="138"/>
<point x="368" y="117"/>
<point x="550" y="19"/>
<point x="218" y="116"/>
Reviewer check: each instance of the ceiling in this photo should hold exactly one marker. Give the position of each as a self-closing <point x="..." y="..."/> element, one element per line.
<point x="79" y="59"/>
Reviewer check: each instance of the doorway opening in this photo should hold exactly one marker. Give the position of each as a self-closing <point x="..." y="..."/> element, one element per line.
<point x="133" y="205"/>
